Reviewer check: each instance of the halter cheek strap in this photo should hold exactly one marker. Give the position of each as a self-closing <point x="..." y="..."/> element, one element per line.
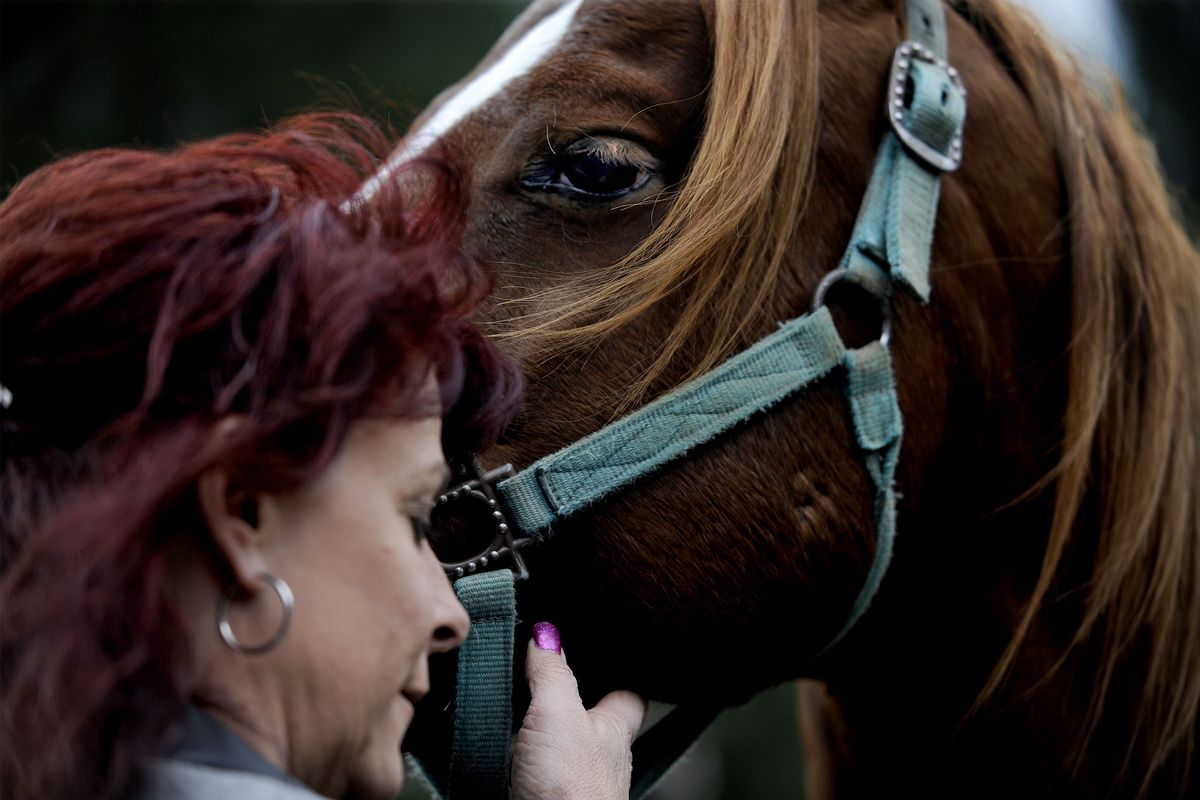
<point x="479" y="758"/>
<point x="891" y="244"/>
<point x="799" y="353"/>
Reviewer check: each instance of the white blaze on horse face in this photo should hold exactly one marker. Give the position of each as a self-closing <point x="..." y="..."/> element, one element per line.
<point x="518" y="60"/>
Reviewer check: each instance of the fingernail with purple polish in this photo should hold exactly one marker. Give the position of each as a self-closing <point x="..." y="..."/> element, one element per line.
<point x="545" y="637"/>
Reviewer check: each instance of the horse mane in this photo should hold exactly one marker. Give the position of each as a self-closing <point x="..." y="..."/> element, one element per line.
<point x="1133" y="403"/>
<point x="1129" y="459"/>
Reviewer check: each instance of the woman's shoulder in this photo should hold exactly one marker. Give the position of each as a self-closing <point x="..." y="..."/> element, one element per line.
<point x="175" y="779"/>
<point x="208" y="761"/>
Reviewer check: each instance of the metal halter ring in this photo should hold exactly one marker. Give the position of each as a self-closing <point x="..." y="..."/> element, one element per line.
<point x="503" y="549"/>
<point x="885" y="313"/>
<point x="286" y="599"/>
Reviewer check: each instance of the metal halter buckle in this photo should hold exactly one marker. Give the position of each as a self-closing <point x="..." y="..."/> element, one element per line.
<point x="894" y="106"/>
<point x="503" y="551"/>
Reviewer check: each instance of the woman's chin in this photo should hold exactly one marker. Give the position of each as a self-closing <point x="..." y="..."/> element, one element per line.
<point x="381" y="770"/>
<point x="381" y="782"/>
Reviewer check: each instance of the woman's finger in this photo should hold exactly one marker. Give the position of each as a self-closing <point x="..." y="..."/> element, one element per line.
<point x="563" y="750"/>
<point x="623" y="710"/>
<point x="551" y="682"/>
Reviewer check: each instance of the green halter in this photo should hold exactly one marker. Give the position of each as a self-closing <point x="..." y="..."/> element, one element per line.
<point x="891" y="242"/>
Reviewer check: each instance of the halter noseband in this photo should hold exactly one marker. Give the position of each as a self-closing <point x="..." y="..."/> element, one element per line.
<point x="891" y="244"/>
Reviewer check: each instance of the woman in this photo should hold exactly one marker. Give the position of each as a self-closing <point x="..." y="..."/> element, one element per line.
<point x="222" y="440"/>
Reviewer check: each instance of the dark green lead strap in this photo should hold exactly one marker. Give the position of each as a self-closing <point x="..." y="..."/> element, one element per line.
<point x="483" y="715"/>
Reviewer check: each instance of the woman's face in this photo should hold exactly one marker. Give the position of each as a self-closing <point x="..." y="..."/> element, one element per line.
<point x="371" y="603"/>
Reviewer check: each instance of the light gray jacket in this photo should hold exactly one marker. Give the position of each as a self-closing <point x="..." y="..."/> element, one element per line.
<point x="171" y="779"/>
<point x="208" y="761"/>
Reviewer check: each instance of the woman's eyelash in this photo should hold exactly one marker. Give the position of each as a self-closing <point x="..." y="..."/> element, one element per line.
<point x="422" y="527"/>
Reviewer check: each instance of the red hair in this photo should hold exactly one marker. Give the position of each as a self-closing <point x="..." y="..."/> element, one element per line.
<point x="144" y="297"/>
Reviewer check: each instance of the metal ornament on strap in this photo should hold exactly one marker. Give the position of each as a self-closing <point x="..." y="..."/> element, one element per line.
<point x="891" y="244"/>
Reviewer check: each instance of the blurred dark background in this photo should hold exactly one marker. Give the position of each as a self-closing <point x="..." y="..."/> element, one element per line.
<point x="78" y="75"/>
<point x="1165" y="35"/>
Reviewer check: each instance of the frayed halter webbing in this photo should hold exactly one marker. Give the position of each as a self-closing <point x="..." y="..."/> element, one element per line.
<point x="891" y="243"/>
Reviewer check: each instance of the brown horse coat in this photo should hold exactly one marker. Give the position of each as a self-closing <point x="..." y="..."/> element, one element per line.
<point x="1038" y="634"/>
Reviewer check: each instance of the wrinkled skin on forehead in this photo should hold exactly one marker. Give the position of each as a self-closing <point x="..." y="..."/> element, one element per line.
<point x="726" y="573"/>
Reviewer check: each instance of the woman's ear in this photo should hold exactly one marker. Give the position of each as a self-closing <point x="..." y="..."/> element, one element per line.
<point x="232" y="518"/>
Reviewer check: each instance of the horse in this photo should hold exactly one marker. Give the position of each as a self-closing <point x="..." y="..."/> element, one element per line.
<point x="654" y="187"/>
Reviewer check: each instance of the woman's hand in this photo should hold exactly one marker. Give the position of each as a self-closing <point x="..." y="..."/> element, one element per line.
<point x="563" y="751"/>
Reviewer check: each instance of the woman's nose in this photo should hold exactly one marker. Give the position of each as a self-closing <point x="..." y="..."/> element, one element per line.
<point x="453" y="627"/>
<point x="450" y="619"/>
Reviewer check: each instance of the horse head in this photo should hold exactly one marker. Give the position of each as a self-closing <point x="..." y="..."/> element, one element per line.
<point x="657" y="185"/>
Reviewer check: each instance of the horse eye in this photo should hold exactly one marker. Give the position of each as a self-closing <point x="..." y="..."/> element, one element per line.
<point x="596" y="168"/>
<point x="592" y="174"/>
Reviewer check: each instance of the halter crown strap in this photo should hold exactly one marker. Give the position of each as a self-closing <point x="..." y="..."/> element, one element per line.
<point x="927" y="24"/>
<point x="926" y="107"/>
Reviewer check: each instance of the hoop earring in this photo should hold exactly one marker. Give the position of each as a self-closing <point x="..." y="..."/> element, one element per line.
<point x="286" y="599"/>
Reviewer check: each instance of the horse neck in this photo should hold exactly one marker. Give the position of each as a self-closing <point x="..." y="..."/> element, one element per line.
<point x="982" y="376"/>
<point x="982" y="381"/>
